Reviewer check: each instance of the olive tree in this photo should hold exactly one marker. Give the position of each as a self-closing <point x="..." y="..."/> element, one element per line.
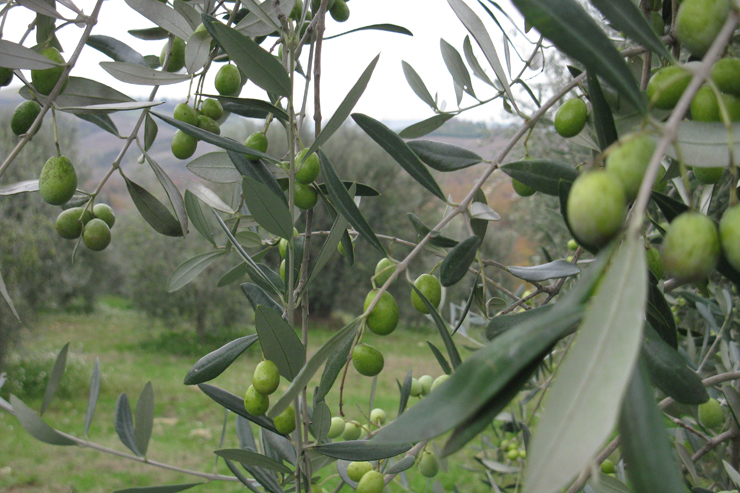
<point x="622" y="335"/>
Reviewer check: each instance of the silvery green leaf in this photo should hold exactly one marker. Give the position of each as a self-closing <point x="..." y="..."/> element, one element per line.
<point x="209" y="197"/>
<point x="479" y="210"/>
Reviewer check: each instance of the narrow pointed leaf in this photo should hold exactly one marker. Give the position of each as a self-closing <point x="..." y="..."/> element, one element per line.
<point x="94" y="393"/>
<point x="641" y="428"/>
<point x="197" y="51"/>
<point x="144" y="418"/>
<point x="145" y="76"/>
<point x="344" y="203"/>
<point x="320" y="421"/>
<point x="669" y="371"/>
<point x="16" y="56"/>
<point x="552" y="270"/>
<point x="391" y="28"/>
<point x="417" y="84"/>
<point x="267" y="209"/>
<point x="20" y="187"/>
<point x="483" y="376"/>
<point x="170" y="488"/>
<point x="424" y="127"/>
<point x="660" y="316"/>
<point x="598" y="368"/>
<point x="215" y="167"/>
<point x="176" y="201"/>
<point x="476" y="28"/>
<point x="466" y="309"/>
<point x="163" y="16"/>
<point x="543" y="176"/>
<point x="115" y="49"/>
<point x="191" y="16"/>
<point x="400" y="151"/>
<point x="423" y="230"/>
<point x="402" y="465"/>
<point x="257" y="296"/>
<point x="405" y="391"/>
<point x="253" y="459"/>
<point x="197" y="218"/>
<point x="456" y="67"/>
<point x="258" y="65"/>
<point x="456" y="263"/>
<point x="623" y="15"/>
<point x="262" y="18"/>
<point x="606" y="130"/>
<point x="124" y="424"/>
<point x="345" y="108"/>
<point x="209" y="197"/>
<point x="83" y="92"/>
<point x="235" y="404"/>
<point x="36" y="426"/>
<point x="473" y="62"/>
<point x="279" y="342"/>
<point x="252" y="108"/>
<point x="149" y="34"/>
<point x="311" y="367"/>
<point x="54" y="378"/>
<point x="190" y="269"/>
<point x="444" y="331"/>
<point x="257" y="170"/>
<point x="733" y="401"/>
<point x="360" y="450"/>
<point x="576" y="34"/>
<point x="102" y="121"/>
<point x="214" y="363"/>
<point x="329" y="248"/>
<point x="150" y="132"/>
<point x="444" y="157"/>
<point x="334" y="364"/>
<point x="440" y="358"/>
<point x="498" y="325"/>
<point x="153" y="211"/>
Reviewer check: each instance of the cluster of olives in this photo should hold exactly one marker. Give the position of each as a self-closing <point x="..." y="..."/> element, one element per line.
<point x="383" y="319"/>
<point x="265" y="381"/>
<point x="512" y="450"/>
<point x="205" y="117"/>
<point x="94" y="226"/>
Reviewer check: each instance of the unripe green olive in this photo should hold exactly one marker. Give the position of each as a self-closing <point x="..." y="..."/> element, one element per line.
<point x="212" y="108"/>
<point x="706" y="175"/>
<point x="726" y="74"/>
<point x="438" y="381"/>
<point x="691" y="247"/>
<point x="258" y="142"/>
<point x="24" y="116"/>
<point x="667" y="85"/>
<point x="336" y="428"/>
<point x="378" y="416"/>
<point x="228" y="80"/>
<point x="58" y="180"/>
<point x="426" y="382"/>
<point x="698" y="22"/>
<point x="183" y="145"/>
<point x="729" y="232"/>
<point x="105" y="212"/>
<point x="367" y="360"/>
<point x="384" y="269"/>
<point x="44" y="80"/>
<point x="704" y="106"/>
<point x="185" y="113"/>
<point x="96" y="235"/>
<point x="711" y="414"/>
<point x="384" y="318"/>
<point x="306" y="171"/>
<point x="428" y="464"/>
<point x="596" y="207"/>
<point x="255" y="403"/>
<point x="607" y="467"/>
<point x="371" y="482"/>
<point x="431" y="288"/>
<point x="285" y="421"/>
<point x="266" y="377"/>
<point x="571" y="118"/>
<point x="521" y="189"/>
<point x="415" y="390"/>
<point x="355" y="470"/>
<point x="177" y="58"/>
<point x="629" y="159"/>
<point x="351" y="431"/>
<point x="70" y="222"/>
<point x="304" y="196"/>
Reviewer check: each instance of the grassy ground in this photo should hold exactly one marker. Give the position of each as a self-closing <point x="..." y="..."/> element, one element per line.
<point x="187" y="425"/>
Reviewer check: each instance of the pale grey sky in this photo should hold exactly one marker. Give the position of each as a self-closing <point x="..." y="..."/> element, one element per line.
<point x="387" y="97"/>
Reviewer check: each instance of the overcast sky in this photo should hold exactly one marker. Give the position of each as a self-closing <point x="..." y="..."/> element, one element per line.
<point x="387" y="97"/>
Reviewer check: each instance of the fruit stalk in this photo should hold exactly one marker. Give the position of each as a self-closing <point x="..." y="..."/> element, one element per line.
<point x="89" y="24"/>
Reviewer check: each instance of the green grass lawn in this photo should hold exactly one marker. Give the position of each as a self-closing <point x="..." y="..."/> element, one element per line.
<point x="188" y="424"/>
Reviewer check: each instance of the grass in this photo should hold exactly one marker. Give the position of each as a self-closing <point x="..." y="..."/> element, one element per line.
<point x="188" y="425"/>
